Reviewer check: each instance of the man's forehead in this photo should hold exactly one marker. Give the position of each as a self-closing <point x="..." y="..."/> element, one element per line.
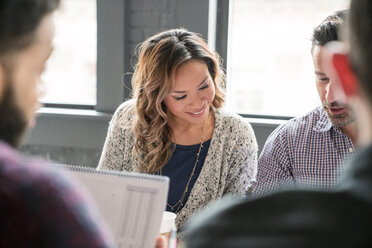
<point x="318" y="59"/>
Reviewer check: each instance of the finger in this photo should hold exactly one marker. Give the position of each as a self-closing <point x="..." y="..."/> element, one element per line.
<point x="161" y="242"/>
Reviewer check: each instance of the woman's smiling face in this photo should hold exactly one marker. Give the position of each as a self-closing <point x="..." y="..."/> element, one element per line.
<point x="191" y="94"/>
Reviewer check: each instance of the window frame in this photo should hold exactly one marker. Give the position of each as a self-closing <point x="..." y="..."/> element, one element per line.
<point x="222" y="42"/>
<point x="263" y="125"/>
<point x="85" y="126"/>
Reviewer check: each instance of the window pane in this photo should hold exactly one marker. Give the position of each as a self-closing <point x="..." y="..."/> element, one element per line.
<point x="270" y="68"/>
<point x="70" y="76"/>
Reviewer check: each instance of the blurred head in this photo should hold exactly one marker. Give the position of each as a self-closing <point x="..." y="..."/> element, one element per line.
<point x="360" y="40"/>
<point x="338" y="112"/>
<point x="169" y="62"/>
<point x="351" y="61"/>
<point x="26" y="32"/>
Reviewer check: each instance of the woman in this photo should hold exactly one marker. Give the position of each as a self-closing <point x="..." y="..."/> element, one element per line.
<point x="174" y="125"/>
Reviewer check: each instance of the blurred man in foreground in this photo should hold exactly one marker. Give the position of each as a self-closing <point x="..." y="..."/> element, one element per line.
<point x="37" y="207"/>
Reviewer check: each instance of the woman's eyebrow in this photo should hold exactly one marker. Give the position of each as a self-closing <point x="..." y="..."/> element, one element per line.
<point x="199" y="85"/>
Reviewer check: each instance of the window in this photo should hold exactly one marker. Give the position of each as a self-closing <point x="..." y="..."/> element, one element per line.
<point x="270" y="69"/>
<point x="78" y="126"/>
<point x="70" y="76"/>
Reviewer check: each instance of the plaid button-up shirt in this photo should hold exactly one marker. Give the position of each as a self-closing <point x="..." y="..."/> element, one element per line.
<point x="304" y="152"/>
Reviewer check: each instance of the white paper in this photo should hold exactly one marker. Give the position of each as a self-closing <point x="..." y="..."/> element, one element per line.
<point x="131" y="204"/>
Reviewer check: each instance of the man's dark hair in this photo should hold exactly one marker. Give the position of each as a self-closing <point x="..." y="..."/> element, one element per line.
<point x="329" y="29"/>
<point x="360" y="38"/>
<point x="19" y="20"/>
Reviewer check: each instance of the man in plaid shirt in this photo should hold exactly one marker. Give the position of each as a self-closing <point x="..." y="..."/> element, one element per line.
<point x="309" y="151"/>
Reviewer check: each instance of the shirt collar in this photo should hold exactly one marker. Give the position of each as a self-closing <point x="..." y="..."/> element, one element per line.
<point x="323" y="124"/>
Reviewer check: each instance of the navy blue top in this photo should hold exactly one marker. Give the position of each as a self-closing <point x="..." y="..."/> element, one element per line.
<point x="179" y="169"/>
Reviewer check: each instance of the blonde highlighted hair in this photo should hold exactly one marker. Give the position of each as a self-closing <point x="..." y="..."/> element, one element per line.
<point x="158" y="59"/>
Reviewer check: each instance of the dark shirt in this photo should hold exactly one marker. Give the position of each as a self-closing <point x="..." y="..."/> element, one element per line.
<point x="38" y="208"/>
<point x="297" y="218"/>
<point x="179" y="169"/>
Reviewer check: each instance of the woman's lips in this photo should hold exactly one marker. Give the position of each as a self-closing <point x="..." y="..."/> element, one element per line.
<point x="197" y="113"/>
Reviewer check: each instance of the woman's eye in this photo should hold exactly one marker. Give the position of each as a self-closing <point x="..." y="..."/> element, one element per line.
<point x="180" y="98"/>
<point x="204" y="87"/>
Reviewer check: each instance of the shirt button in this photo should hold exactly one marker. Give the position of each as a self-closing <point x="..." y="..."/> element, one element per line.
<point x="351" y="149"/>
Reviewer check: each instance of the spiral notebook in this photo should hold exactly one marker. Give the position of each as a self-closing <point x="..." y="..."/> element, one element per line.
<point x="131" y="204"/>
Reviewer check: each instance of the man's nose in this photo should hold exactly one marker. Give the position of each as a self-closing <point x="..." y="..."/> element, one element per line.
<point x="330" y="92"/>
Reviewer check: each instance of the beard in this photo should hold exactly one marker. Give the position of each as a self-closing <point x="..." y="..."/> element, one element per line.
<point x="12" y="121"/>
<point x="339" y="120"/>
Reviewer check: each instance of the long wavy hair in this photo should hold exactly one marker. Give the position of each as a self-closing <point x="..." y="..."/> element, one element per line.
<point x="158" y="59"/>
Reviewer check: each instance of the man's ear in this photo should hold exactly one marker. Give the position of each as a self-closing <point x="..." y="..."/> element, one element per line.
<point x="341" y="65"/>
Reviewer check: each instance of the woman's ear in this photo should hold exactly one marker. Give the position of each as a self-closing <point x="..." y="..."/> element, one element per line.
<point x="341" y="65"/>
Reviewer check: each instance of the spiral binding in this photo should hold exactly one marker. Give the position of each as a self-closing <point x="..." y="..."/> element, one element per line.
<point x="134" y="175"/>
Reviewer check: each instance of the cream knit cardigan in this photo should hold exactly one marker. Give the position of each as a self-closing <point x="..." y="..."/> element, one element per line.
<point x="229" y="168"/>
